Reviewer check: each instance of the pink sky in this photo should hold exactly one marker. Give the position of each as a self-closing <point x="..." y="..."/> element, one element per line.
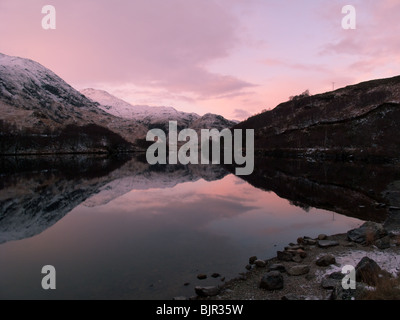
<point x="230" y="57"/>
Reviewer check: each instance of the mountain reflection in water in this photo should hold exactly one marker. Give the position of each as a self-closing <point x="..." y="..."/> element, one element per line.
<point x="117" y="228"/>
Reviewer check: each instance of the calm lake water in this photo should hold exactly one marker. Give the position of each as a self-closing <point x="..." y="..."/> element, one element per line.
<point x="128" y="231"/>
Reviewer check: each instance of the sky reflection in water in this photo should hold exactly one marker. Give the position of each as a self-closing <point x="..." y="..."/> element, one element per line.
<point x="147" y="243"/>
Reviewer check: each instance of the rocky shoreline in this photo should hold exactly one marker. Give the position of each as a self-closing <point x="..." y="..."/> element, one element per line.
<point x="311" y="269"/>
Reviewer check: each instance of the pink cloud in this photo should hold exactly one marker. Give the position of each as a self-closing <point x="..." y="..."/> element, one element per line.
<point x="376" y="35"/>
<point x="241" y="114"/>
<point x="157" y="43"/>
<point x="206" y="56"/>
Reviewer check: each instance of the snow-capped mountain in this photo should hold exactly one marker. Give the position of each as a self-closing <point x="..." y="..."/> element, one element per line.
<point x="146" y="114"/>
<point x="155" y="116"/>
<point x="41" y="113"/>
<point x="149" y="179"/>
<point x="37" y="104"/>
<point x="212" y="121"/>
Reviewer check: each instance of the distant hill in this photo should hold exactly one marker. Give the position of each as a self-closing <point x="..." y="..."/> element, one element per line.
<point x="156" y="117"/>
<point x="360" y="121"/>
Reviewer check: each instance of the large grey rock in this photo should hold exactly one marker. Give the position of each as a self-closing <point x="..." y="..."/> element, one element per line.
<point x="272" y="280"/>
<point x="327" y="243"/>
<point x="368" y="232"/>
<point x="325" y="260"/>
<point x="298" y="270"/>
<point x="207" y="291"/>
<point x="368" y="271"/>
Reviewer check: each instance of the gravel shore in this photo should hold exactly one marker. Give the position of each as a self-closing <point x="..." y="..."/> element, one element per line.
<point x="308" y="286"/>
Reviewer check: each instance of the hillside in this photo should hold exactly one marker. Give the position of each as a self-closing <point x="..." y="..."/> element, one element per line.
<point x="356" y="121"/>
<point x="155" y="117"/>
<point x="41" y="113"/>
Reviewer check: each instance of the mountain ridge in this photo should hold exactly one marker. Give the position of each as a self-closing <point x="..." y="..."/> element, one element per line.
<point x="43" y="114"/>
<point x="360" y="121"/>
<point x="156" y="116"/>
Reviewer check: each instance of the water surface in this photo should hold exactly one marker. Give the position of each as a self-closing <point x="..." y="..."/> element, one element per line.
<point x="137" y="232"/>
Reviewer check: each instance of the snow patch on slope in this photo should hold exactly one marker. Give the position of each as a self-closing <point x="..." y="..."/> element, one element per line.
<point x="123" y="109"/>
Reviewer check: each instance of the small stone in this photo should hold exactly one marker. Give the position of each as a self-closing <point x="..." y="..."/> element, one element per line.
<point x="248" y="267"/>
<point x="277" y="267"/>
<point x="383" y="243"/>
<point x="284" y="256"/>
<point x="215" y="275"/>
<point x="292" y="252"/>
<point x="223" y="279"/>
<point x="201" y="276"/>
<point x="322" y="237"/>
<point x="299" y="270"/>
<point x="272" y="280"/>
<point x="302" y="253"/>
<point x="252" y="259"/>
<point x="297" y="258"/>
<point x="327" y="243"/>
<point x="260" y="263"/>
<point x="336" y="275"/>
<point x="326" y="260"/>
<point x="186" y="284"/>
<point x="328" y="283"/>
<point x="300" y="240"/>
<point x="295" y="247"/>
<point x="310" y="242"/>
<point x="207" y="291"/>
